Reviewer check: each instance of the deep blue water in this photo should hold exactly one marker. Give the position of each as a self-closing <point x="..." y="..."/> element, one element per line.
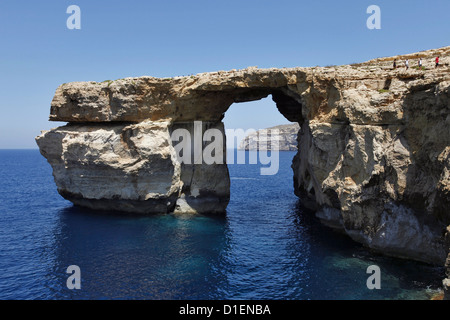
<point x="266" y="247"/>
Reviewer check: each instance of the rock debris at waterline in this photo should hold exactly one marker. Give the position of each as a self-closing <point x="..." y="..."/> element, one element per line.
<point x="374" y="143"/>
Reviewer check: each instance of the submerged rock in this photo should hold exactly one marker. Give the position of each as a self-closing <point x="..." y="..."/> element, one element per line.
<point x="374" y="145"/>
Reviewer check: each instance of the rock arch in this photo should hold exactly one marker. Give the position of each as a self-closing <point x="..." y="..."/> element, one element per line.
<point x="373" y="160"/>
<point x="122" y="128"/>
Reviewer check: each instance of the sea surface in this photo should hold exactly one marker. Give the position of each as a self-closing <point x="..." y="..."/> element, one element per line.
<point x="266" y="247"/>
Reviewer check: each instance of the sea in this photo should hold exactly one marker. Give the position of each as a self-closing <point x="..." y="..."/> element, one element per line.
<point x="266" y="247"/>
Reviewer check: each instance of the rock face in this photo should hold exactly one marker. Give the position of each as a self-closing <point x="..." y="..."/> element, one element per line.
<point x="446" y="282"/>
<point x="131" y="168"/>
<point x="374" y="145"/>
<point x="284" y="135"/>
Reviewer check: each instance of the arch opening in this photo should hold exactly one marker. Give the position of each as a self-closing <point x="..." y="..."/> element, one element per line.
<point x="206" y="187"/>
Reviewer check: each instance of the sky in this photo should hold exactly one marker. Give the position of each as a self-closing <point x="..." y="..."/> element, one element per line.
<point x="169" y="38"/>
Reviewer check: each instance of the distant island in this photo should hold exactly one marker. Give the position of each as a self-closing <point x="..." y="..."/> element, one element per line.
<point x="287" y="139"/>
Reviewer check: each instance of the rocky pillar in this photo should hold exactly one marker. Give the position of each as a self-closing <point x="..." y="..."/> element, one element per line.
<point x="136" y="167"/>
<point x="201" y="150"/>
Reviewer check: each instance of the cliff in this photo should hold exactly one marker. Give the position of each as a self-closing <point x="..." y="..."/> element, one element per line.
<point x="284" y="135"/>
<point x="374" y="145"/>
<point x="446" y="282"/>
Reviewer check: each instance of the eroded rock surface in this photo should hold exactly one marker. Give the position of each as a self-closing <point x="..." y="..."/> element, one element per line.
<point x="131" y="168"/>
<point x="373" y="159"/>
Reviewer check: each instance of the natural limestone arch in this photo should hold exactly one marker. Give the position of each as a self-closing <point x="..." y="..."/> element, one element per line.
<point x="133" y="110"/>
<point x="373" y="160"/>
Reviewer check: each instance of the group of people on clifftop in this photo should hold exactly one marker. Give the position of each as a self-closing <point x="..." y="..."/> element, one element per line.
<point x="419" y="63"/>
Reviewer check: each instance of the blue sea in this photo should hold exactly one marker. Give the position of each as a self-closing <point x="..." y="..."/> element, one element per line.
<point x="266" y="247"/>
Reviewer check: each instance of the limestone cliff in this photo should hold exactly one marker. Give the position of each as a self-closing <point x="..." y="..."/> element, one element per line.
<point x="446" y="282"/>
<point x="373" y="159"/>
<point x="284" y="135"/>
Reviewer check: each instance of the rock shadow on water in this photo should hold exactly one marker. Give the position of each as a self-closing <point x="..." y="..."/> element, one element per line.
<point x="341" y="264"/>
<point x="139" y="257"/>
<point x="189" y="257"/>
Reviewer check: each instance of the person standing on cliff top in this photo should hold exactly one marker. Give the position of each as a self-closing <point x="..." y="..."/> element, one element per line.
<point x="407" y="64"/>
<point x="395" y="64"/>
<point x="420" y="63"/>
<point x="437" y="61"/>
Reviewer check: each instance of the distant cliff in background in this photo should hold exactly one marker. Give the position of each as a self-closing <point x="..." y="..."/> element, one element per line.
<point x="285" y="134"/>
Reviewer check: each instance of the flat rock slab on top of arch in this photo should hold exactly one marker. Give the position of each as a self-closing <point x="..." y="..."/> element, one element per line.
<point x="202" y="97"/>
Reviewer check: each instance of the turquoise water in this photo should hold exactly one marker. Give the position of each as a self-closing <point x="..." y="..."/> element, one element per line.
<point x="266" y="247"/>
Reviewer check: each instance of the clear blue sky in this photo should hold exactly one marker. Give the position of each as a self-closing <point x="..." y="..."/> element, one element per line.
<point x="168" y="38"/>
